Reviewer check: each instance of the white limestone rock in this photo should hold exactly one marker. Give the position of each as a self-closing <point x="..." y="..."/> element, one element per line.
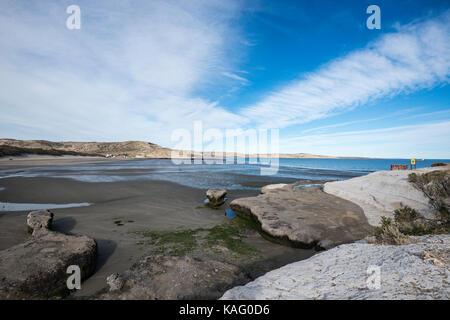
<point x="414" y="271"/>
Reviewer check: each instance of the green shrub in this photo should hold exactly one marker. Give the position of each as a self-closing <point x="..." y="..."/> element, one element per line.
<point x="406" y="214"/>
<point x="389" y="234"/>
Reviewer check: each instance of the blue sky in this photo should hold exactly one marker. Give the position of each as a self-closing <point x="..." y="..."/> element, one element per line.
<point x="138" y="70"/>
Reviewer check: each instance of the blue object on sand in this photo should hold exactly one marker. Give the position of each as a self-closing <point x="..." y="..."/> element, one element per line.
<point x="230" y="213"/>
<point x="303" y="186"/>
<point x="206" y="201"/>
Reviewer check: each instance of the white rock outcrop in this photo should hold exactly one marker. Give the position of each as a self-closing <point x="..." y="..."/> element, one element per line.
<point x="380" y="193"/>
<point x="415" y="271"/>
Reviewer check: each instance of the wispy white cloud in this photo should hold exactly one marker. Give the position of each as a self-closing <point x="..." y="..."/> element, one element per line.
<point x="235" y="77"/>
<point x="364" y="120"/>
<point x="417" y="56"/>
<point x="423" y="141"/>
<point x="134" y="69"/>
<point x="429" y="114"/>
<point x="129" y="73"/>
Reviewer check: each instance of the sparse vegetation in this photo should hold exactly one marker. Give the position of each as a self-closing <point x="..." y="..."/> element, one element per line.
<point x="176" y="243"/>
<point x="10" y="147"/>
<point x="388" y="233"/>
<point x="17" y="151"/>
<point x="436" y="186"/>
<point x="407" y="221"/>
<point x="224" y="239"/>
<point x="230" y="235"/>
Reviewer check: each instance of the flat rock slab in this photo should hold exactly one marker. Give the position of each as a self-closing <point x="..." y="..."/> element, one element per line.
<point x="415" y="271"/>
<point x="37" y="268"/>
<point x="167" y="277"/>
<point x="305" y="217"/>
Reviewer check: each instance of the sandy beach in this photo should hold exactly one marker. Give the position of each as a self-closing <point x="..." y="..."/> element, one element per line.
<point x="27" y="161"/>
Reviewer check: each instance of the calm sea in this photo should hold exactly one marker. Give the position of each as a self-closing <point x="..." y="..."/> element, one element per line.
<point x="231" y="176"/>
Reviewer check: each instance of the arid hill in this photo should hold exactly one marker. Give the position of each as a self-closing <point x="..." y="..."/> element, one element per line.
<point x="131" y="149"/>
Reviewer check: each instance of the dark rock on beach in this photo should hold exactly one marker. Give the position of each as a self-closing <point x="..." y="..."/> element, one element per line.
<point x="169" y="277"/>
<point x="305" y="217"/>
<point x="37" y="268"/>
<point x="216" y="197"/>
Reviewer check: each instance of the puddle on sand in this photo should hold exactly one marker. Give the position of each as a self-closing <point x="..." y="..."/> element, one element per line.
<point x="10" y="206"/>
<point x="230" y="213"/>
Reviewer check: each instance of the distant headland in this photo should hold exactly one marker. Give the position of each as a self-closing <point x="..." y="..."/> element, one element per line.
<point x="125" y="149"/>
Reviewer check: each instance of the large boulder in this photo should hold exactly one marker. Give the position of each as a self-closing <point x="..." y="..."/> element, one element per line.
<point x="305" y="217"/>
<point x="216" y="197"/>
<point x="415" y="271"/>
<point x="37" y="268"/>
<point x="169" y="277"/>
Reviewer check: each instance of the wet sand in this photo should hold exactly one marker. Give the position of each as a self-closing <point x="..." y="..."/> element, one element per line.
<point x="140" y="205"/>
<point x="28" y="161"/>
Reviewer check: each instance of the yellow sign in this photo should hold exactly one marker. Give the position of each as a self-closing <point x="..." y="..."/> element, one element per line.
<point x="413" y="161"/>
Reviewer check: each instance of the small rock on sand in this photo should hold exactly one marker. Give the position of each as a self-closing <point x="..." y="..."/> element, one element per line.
<point x="216" y="197"/>
<point x="39" y="219"/>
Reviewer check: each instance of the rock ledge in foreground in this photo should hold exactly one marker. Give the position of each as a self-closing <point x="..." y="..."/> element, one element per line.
<point x="415" y="271"/>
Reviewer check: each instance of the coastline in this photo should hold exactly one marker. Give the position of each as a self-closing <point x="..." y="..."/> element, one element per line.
<point x="142" y="207"/>
<point x="28" y="161"/>
<point x="137" y="218"/>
